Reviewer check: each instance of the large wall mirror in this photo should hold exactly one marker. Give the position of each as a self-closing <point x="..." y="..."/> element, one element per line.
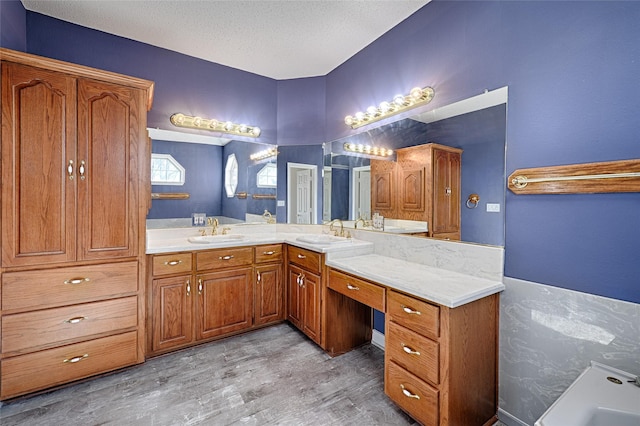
<point x="477" y="126"/>
<point x="204" y="160"/>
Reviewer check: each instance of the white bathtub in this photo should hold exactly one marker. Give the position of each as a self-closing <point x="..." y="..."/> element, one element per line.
<point x="600" y="396"/>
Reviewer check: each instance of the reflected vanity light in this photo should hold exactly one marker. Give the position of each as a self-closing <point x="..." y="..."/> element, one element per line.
<point x="416" y="97"/>
<point x="261" y="155"/>
<point x="191" y="122"/>
<point x="367" y="149"/>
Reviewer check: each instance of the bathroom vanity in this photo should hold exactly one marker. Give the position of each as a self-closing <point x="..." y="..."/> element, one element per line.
<point x="441" y="331"/>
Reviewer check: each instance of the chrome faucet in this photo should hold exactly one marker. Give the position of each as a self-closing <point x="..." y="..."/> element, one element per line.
<point x="334" y="230"/>
<point x="268" y="217"/>
<point x="213" y="222"/>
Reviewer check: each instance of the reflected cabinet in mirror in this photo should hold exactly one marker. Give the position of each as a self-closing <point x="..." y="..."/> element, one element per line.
<point x="207" y="179"/>
<point x="441" y="159"/>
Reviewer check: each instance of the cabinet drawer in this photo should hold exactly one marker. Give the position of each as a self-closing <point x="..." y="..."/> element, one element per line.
<point x="66" y="286"/>
<point x="269" y="253"/>
<point x="45" y="328"/>
<point x="417" y="354"/>
<point x="305" y="258"/>
<point x="224" y="258"/>
<point x="449" y="236"/>
<point x="365" y="292"/>
<point x="39" y="370"/>
<point x="168" y="264"/>
<point x="414" y="314"/>
<point x="412" y="394"/>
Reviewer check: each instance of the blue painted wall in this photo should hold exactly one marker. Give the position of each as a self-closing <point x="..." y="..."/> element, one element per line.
<point x="203" y="181"/>
<point x="13" y="25"/>
<point x="572" y="70"/>
<point x="182" y="83"/>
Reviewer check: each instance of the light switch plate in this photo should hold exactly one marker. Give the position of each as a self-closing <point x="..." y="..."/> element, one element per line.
<point x="280" y="203"/>
<point x="493" y="207"/>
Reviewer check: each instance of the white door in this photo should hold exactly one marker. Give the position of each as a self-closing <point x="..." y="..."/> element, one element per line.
<point x="303" y="199"/>
<point x="361" y="202"/>
<point x="326" y="195"/>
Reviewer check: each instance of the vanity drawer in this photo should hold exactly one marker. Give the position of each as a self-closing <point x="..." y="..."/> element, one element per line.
<point x="25" y="332"/>
<point x="66" y="286"/>
<point x="412" y="394"/>
<point x="39" y="370"/>
<point x="307" y="259"/>
<point x="365" y="292"/>
<point x="269" y="253"/>
<point x="417" y="315"/>
<point x="224" y="258"/>
<point x="168" y="264"/>
<point x="416" y="353"/>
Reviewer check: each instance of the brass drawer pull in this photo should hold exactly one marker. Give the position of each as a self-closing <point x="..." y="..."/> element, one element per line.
<point x="410" y="351"/>
<point x="352" y="287"/>
<point x="269" y="253"/>
<point x="410" y="311"/>
<point x="173" y="262"/>
<point x="259" y="277"/>
<point x="188" y="287"/>
<point x="74" y="281"/>
<point x="199" y="285"/>
<point x="70" y="169"/>
<point x="75" y="320"/>
<point x="302" y="256"/>
<point x="76" y="359"/>
<point x="228" y="257"/>
<point x="81" y="170"/>
<point x="409" y="394"/>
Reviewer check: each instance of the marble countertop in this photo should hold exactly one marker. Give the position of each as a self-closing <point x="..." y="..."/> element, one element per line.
<point x="440" y="286"/>
<point x="174" y="240"/>
<point x="353" y="256"/>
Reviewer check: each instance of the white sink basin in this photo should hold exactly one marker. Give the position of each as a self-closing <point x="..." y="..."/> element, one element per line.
<point x="323" y="239"/>
<point x="215" y="239"/>
<point x="600" y="396"/>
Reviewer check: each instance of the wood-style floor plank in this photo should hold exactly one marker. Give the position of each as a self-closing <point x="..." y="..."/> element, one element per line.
<point x="273" y="376"/>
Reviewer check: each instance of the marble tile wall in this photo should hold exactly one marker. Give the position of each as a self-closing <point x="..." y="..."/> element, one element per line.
<point x="549" y="335"/>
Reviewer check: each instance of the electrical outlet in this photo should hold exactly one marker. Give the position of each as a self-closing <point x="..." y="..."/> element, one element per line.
<point x="493" y="207"/>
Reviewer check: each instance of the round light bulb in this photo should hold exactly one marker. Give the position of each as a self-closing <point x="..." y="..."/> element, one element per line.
<point x="348" y="120"/>
<point x="359" y="115"/>
<point x="384" y="106"/>
<point x="256" y="131"/>
<point x="228" y="126"/>
<point x="398" y="100"/>
<point x="243" y="128"/>
<point x="212" y="123"/>
<point x="177" y="118"/>
<point x="372" y="111"/>
<point x="197" y="121"/>
<point x="416" y="93"/>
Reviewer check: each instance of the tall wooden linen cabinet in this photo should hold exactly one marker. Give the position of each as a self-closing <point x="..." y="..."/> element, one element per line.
<point x="75" y="194"/>
<point x="423" y="184"/>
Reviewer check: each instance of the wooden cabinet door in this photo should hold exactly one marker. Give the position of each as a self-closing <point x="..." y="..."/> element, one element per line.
<point x="268" y="294"/>
<point x="412" y="194"/>
<point x="382" y="187"/>
<point x="225" y="302"/>
<point x="109" y="117"/>
<point x="172" y="312"/>
<point x="446" y="189"/>
<point x="311" y="306"/>
<point x="38" y="145"/>
<point x="294" y="296"/>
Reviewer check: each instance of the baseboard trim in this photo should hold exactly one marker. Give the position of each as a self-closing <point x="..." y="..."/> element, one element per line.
<point x="377" y="339"/>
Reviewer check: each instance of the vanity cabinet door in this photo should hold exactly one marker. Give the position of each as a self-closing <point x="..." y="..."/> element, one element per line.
<point x="311" y="305"/>
<point x="269" y="294"/>
<point x="383" y="187"/>
<point x="38" y="144"/>
<point x="224" y="302"/>
<point x="172" y="301"/>
<point x="294" y="296"/>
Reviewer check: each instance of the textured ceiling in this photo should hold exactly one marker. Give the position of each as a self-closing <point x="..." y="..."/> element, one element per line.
<point x="278" y="39"/>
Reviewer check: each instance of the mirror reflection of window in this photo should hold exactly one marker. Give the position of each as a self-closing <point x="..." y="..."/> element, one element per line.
<point x="166" y="170"/>
<point x="267" y="177"/>
<point x="231" y="176"/>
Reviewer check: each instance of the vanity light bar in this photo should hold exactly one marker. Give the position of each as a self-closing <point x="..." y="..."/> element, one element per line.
<point x="400" y="103"/>
<point x="191" y="122"/>
<point x="261" y="155"/>
<point x="367" y="149"/>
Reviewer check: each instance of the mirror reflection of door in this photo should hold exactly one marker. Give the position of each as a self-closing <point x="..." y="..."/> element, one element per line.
<point x="301" y="193"/>
<point x="361" y="193"/>
<point x="326" y="196"/>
